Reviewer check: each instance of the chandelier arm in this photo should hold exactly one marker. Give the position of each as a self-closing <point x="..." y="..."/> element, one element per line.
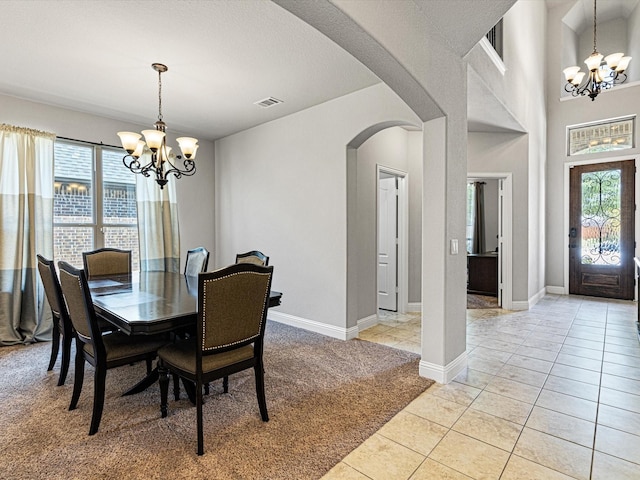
<point x="189" y="168"/>
<point x="136" y="167"/>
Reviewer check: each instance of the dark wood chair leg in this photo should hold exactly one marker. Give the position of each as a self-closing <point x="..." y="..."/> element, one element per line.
<point x="163" y="380"/>
<point x="78" y="379"/>
<point x="66" y="358"/>
<point x="176" y="386"/>
<point x="149" y="365"/>
<point x="225" y="384"/>
<point x="262" y="401"/>
<point x="98" y="398"/>
<point x="206" y="388"/>
<point x="199" y="415"/>
<point x="55" y="344"/>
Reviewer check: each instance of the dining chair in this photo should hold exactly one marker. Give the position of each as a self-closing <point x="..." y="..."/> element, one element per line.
<point x="103" y="352"/>
<point x="232" y="313"/>
<point x="61" y="323"/>
<point x="106" y="261"/>
<point x="254" y="256"/>
<point x="196" y="262"/>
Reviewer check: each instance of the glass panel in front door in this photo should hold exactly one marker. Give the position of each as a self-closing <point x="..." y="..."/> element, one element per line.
<point x="601" y="218"/>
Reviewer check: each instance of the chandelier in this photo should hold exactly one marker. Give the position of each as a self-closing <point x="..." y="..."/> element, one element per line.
<point x="616" y="63"/>
<point x="163" y="160"/>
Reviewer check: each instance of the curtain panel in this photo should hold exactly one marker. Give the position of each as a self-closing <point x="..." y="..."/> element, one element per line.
<point x="26" y="229"/>
<point x="158" y="230"/>
<point x="479" y="243"/>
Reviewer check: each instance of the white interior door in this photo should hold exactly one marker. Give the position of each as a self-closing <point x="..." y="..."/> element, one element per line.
<point x="388" y="243"/>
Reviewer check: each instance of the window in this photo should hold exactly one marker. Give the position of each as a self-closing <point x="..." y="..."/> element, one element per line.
<point x="495" y="37"/>
<point x="604" y="136"/>
<point x="471" y="201"/>
<point x="94" y="202"/>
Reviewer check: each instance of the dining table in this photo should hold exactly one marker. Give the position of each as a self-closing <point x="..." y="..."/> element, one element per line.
<point x="150" y="303"/>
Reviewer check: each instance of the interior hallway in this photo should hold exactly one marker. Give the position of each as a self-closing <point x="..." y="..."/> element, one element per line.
<point x="549" y="393"/>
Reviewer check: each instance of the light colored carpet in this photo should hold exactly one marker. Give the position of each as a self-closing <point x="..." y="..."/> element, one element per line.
<point x="324" y="396"/>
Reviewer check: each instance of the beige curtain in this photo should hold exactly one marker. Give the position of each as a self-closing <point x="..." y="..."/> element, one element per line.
<point x="26" y="229"/>
<point x="158" y="230"/>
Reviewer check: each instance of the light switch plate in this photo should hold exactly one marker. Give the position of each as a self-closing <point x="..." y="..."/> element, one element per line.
<point x="454" y="246"/>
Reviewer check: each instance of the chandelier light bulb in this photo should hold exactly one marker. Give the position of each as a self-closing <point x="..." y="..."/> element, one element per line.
<point x="570" y="73"/>
<point x="593" y="61"/>
<point x="129" y="141"/>
<point x="623" y="64"/>
<point x="613" y="60"/>
<point x="188" y="146"/>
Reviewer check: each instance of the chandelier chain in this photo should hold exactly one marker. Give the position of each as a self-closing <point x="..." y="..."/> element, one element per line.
<point x="594" y="26"/>
<point x="159" y="95"/>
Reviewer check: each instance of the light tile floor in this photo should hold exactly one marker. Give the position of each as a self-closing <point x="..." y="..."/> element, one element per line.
<point x="549" y="393"/>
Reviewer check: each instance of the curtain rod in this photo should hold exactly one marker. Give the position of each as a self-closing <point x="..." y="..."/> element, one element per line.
<point x="89" y="143"/>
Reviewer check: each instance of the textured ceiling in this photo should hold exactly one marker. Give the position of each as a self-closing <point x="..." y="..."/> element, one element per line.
<point x="223" y="55"/>
<point x="96" y="56"/>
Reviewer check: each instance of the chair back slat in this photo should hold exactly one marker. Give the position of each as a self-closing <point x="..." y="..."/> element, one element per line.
<point x="233" y="306"/>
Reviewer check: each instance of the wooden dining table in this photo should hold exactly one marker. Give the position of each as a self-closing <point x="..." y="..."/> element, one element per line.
<point x="147" y="303"/>
<point x="150" y="303"/>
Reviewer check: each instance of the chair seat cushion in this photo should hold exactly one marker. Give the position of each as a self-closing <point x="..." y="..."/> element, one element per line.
<point x="119" y="345"/>
<point x="182" y="355"/>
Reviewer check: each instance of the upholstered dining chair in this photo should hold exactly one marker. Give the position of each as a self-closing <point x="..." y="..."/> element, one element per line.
<point x="61" y="323"/>
<point x="232" y="313"/>
<point x="254" y="256"/>
<point x="102" y="351"/>
<point x="106" y="261"/>
<point x="197" y="261"/>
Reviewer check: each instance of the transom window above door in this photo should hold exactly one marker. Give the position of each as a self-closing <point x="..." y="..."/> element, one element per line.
<point x="604" y="136"/>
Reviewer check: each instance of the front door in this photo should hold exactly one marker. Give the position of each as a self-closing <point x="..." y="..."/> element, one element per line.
<point x="601" y="230"/>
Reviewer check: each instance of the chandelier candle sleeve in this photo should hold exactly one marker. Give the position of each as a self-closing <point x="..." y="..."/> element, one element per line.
<point x="162" y="162"/>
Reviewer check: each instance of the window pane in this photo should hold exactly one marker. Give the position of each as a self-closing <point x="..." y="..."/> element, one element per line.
<point x="73" y="170"/>
<point x="601" y="218"/>
<point x="602" y="137"/>
<point x="70" y="242"/>
<point x="119" y="190"/>
<point x="124" y="238"/>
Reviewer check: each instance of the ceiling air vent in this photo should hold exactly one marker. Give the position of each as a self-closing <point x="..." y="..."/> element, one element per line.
<point x="268" y="102"/>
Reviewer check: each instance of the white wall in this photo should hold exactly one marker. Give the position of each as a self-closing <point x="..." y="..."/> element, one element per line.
<point x="281" y="188"/>
<point x="522" y="93"/>
<point x="393" y="147"/>
<point x="195" y="195"/>
<point x="504" y="153"/>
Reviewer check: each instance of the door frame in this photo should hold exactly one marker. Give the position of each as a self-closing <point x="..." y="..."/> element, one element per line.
<point x="505" y="254"/>
<point x="403" y="234"/>
<point x="567" y="170"/>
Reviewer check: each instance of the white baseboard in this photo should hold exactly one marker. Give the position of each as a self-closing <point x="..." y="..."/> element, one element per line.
<point x="367" y="322"/>
<point x="555" y="290"/>
<point x="446" y="373"/>
<point x="414" y="307"/>
<point x="521" y="305"/>
<point x="527" y="304"/>
<point x="313" y="326"/>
